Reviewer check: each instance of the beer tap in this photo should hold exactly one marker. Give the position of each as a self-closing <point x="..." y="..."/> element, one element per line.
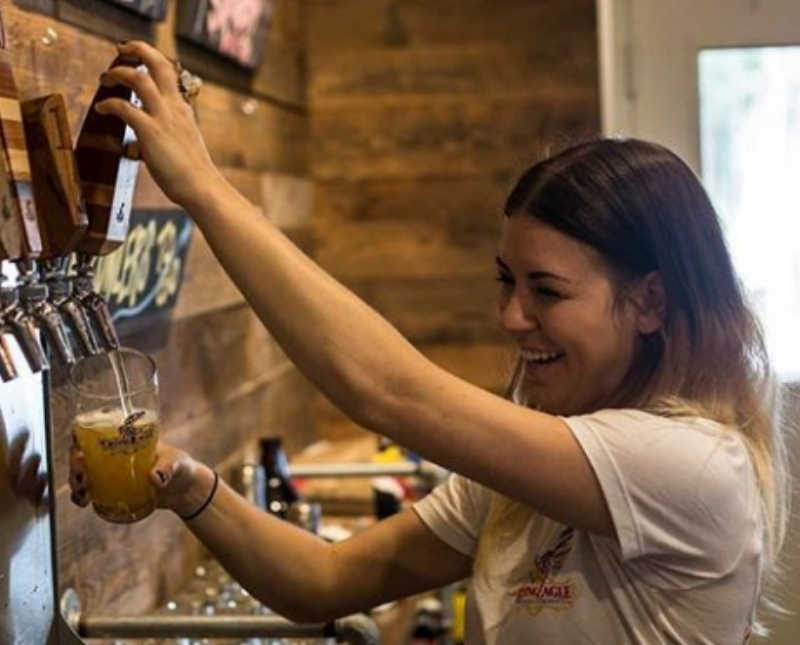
<point x="25" y="307"/>
<point x="60" y="207"/>
<point x="107" y="169"/>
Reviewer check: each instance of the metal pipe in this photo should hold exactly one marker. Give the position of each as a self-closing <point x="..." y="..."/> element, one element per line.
<point x="199" y="627"/>
<point x="423" y="469"/>
<point x="356" y="630"/>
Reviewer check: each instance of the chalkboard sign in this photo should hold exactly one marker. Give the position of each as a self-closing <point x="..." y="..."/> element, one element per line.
<point x="141" y="280"/>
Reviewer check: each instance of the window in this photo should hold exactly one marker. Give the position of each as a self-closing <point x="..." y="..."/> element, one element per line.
<point x="750" y="157"/>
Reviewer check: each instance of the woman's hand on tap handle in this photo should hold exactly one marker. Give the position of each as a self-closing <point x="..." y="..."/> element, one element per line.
<point x="176" y="477"/>
<point x="170" y="142"/>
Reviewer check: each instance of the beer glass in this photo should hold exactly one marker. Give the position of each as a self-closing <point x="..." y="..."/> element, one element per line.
<point x="116" y="426"/>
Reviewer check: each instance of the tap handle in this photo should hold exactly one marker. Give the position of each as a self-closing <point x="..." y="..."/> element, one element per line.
<point x="8" y="371"/>
<point x="19" y="231"/>
<point x="107" y="175"/>
<point x="61" y="210"/>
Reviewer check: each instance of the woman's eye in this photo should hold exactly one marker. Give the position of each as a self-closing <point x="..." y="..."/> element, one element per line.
<point x="547" y="293"/>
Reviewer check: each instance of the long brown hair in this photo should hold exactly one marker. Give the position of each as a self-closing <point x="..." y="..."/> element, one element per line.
<point x="644" y="210"/>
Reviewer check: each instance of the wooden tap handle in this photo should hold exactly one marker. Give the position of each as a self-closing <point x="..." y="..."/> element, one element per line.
<point x="19" y="230"/>
<point x="107" y="175"/>
<point x="60" y="207"/>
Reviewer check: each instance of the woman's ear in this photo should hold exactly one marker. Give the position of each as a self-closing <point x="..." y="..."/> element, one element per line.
<point x="650" y="302"/>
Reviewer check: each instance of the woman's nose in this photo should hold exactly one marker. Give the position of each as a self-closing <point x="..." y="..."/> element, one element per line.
<point x="515" y="317"/>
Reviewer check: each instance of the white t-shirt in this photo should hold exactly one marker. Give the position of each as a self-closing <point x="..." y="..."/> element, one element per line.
<point x="684" y="567"/>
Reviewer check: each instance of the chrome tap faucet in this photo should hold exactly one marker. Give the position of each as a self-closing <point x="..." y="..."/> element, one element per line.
<point x="22" y="326"/>
<point x="94" y="303"/>
<point x="74" y="312"/>
<point x="33" y="295"/>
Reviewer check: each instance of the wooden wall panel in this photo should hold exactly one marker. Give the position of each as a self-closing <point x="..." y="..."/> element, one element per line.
<point x="360" y="24"/>
<point x="449" y="70"/>
<point x="415" y="137"/>
<point x="423" y="114"/>
<point x="224" y="382"/>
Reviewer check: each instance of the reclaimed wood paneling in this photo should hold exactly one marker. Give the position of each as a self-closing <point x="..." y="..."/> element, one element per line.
<point x="559" y="63"/>
<point x="413" y="248"/>
<point x="423" y="114"/>
<point x="473" y="203"/>
<point x="418" y="137"/>
<point x="360" y="24"/>
<point x="432" y="310"/>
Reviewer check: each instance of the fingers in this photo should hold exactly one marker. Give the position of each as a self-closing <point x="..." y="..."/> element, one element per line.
<point x="133" y="116"/>
<point x="163" y="470"/>
<point x="78" y="480"/>
<point x="139" y="81"/>
<point x="161" y="68"/>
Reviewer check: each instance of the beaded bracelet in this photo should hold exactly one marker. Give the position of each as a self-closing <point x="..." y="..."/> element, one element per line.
<point x="191" y="516"/>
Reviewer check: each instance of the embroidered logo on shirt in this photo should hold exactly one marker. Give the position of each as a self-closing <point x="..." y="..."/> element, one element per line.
<point x="545" y="590"/>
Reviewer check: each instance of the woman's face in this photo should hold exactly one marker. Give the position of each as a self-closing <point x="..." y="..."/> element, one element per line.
<point x="557" y="301"/>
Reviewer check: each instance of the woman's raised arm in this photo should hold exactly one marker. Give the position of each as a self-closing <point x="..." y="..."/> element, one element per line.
<point x="350" y="352"/>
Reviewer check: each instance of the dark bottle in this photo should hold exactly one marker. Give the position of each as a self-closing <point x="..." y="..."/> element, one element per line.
<point x="280" y="492"/>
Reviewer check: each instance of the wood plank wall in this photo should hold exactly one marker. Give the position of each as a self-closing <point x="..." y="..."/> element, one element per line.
<point x="422" y="115"/>
<point x="224" y="381"/>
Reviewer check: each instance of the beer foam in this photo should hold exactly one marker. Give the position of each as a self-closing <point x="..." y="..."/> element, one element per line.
<point x="112" y="417"/>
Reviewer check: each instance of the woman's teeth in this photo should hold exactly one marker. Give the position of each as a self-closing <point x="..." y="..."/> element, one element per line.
<point x="539" y="357"/>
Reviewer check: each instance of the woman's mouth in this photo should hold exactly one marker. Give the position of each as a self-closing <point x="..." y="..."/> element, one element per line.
<point x="540" y="358"/>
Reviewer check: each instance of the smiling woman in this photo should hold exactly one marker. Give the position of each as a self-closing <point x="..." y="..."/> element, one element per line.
<point x="561" y="311"/>
<point x="633" y="478"/>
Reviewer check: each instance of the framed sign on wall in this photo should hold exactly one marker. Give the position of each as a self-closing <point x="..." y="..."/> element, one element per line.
<point x="153" y="9"/>
<point x="141" y="280"/>
<point x="235" y="29"/>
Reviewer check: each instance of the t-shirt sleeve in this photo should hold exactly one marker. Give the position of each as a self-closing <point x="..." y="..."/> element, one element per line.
<point x="680" y="492"/>
<point x="455" y="512"/>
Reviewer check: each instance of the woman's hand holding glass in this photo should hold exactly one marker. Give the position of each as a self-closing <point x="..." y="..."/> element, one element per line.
<point x="177" y="478"/>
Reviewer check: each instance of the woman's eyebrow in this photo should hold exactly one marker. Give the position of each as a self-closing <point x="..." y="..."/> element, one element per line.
<point x="538" y="275"/>
<point x="533" y="275"/>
